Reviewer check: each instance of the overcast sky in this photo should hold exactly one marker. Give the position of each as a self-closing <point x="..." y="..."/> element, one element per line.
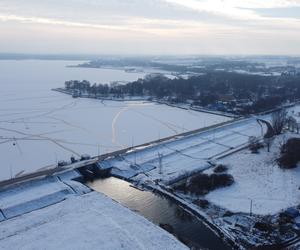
<point x="150" y="26"/>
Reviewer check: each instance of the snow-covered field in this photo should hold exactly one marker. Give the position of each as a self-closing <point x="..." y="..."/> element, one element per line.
<point x="55" y="214"/>
<point x="39" y="127"/>
<point x="258" y="178"/>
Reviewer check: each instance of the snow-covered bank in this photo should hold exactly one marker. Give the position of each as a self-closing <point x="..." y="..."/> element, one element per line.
<point x="29" y="196"/>
<point x="90" y="221"/>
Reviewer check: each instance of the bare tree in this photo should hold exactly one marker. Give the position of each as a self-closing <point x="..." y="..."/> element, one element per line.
<point x="279" y="120"/>
<point x="254" y="144"/>
<point x="292" y="124"/>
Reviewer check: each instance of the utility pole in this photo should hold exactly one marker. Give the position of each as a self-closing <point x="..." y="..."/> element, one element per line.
<point x="11" y="172"/>
<point x="132" y="146"/>
<point x="160" y="163"/>
<point x="56" y="160"/>
<point x="251" y="207"/>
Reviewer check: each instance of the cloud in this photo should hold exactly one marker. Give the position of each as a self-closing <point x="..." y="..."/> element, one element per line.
<point x="40" y="20"/>
<point x="151" y="25"/>
<point x="236" y="9"/>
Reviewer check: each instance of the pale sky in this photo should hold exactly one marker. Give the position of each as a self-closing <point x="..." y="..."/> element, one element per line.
<point x="150" y="26"/>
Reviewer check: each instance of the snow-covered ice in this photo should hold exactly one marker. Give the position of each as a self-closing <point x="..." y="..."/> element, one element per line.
<point x="91" y="221"/>
<point x="39" y="127"/>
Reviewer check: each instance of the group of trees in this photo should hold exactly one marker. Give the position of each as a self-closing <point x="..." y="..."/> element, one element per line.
<point x="202" y="184"/>
<point x="264" y="92"/>
<point x="290" y="153"/>
<point x="289" y="149"/>
<point x="86" y="87"/>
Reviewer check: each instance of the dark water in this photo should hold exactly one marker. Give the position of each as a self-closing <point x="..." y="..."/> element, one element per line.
<point x="159" y="209"/>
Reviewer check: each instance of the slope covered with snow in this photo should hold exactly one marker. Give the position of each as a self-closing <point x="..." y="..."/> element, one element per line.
<point x="26" y="197"/>
<point x="90" y="221"/>
<point x="186" y="154"/>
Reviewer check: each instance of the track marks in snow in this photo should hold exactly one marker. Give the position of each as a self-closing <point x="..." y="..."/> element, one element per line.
<point x="166" y="124"/>
<point x="114" y="123"/>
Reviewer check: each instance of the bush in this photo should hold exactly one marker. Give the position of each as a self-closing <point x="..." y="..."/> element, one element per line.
<point x="254" y="144"/>
<point x="221" y="180"/>
<point x="203" y="183"/>
<point x="201" y="203"/>
<point x="290" y="153"/>
<point x="284" y="219"/>
<point x="220" y="169"/>
<point x="263" y="226"/>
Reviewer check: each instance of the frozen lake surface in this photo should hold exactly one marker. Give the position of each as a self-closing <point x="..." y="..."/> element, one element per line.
<point x="39" y="127"/>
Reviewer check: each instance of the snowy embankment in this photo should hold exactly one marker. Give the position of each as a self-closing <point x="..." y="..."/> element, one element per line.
<point x="29" y="196"/>
<point x="49" y="214"/>
<point x="259" y="179"/>
<point x="184" y="155"/>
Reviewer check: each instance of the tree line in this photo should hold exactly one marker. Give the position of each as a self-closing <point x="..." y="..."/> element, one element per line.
<point x="264" y="92"/>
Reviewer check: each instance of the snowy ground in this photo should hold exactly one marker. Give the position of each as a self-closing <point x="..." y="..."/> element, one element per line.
<point x="87" y="221"/>
<point x="258" y="178"/>
<point x="39" y="127"/>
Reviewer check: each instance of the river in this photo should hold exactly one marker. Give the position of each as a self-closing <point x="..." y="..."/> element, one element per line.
<point x="160" y="210"/>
